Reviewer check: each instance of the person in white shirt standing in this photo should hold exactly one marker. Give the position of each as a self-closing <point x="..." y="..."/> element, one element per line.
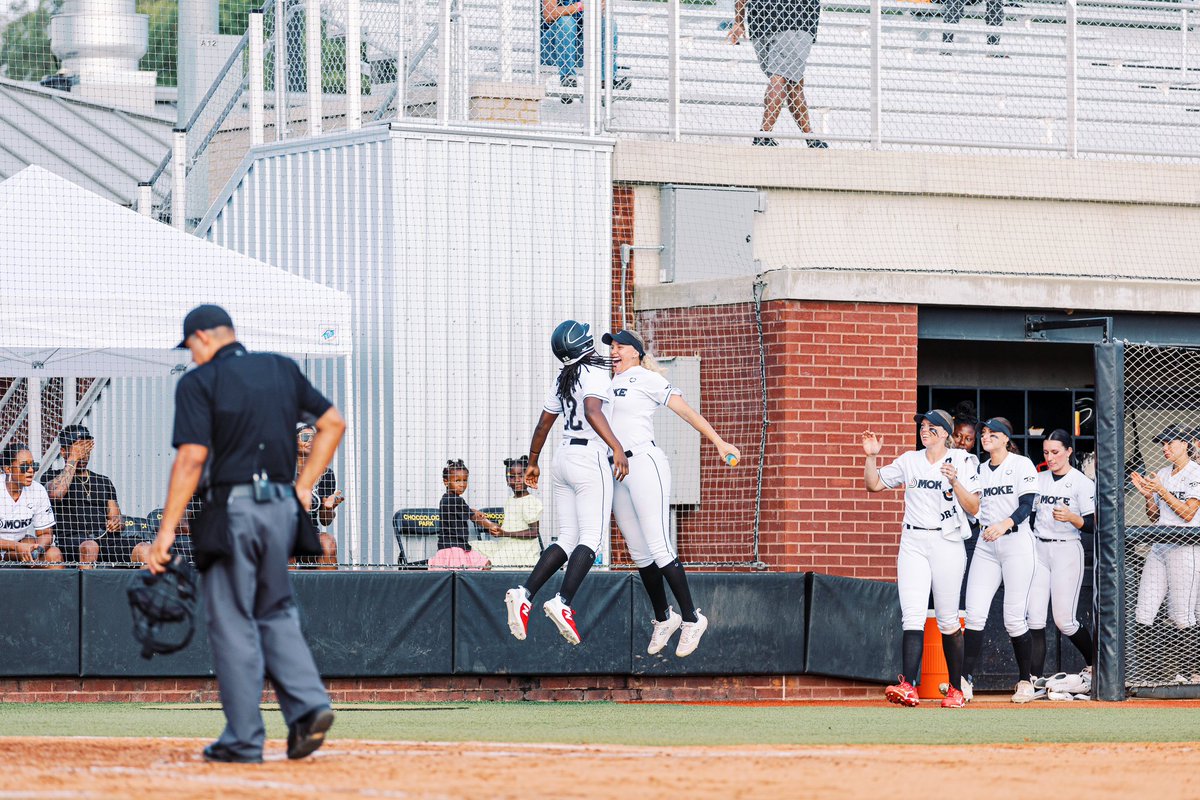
<point x="583" y="479"/>
<point x="941" y="486"/>
<point x="1172" y="499"/>
<point x="26" y="519"/>
<point x="1066" y="507"/>
<point x="642" y="502"/>
<point x="1004" y="553"/>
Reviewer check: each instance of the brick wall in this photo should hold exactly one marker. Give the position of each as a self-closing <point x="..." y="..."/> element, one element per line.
<point x="833" y="371"/>
<point x="442" y="689"/>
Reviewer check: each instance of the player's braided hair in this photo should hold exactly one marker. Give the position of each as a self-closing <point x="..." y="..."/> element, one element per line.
<point x="568" y="378"/>
<point x="454" y="465"/>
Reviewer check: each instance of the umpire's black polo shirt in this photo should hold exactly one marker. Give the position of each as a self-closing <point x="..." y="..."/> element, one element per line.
<point x="244" y="407"/>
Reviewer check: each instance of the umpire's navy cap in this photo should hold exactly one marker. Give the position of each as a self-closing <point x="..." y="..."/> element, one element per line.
<point x="624" y="337"/>
<point x="204" y="318"/>
<point x="1173" y="433"/>
<point x="937" y="417"/>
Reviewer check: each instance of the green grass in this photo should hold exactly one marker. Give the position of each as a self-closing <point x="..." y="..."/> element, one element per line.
<point x="649" y="724"/>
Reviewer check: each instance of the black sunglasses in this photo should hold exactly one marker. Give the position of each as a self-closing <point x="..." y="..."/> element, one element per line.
<point x="306" y="436"/>
<point x="28" y="466"/>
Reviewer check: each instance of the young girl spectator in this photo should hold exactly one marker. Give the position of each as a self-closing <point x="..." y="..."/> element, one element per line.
<point x="454" y="535"/>
<point x="518" y="544"/>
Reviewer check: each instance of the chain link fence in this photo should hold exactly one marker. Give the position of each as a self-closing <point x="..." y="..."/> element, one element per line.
<point x="1162" y="495"/>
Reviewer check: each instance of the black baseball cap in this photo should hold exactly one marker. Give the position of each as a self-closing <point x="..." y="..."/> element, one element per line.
<point x="1173" y="433"/>
<point x="204" y="318"/>
<point x="937" y="417"/>
<point x="72" y="434"/>
<point x="996" y="425"/>
<point x="624" y="337"/>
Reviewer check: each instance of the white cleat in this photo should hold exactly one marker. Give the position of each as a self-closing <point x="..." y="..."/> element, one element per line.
<point x="517" y="602"/>
<point x="563" y="618"/>
<point x="689" y="639"/>
<point x="1026" y="693"/>
<point x="663" y="631"/>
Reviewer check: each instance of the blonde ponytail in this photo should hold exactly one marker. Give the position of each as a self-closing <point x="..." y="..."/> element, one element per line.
<point x="648" y="360"/>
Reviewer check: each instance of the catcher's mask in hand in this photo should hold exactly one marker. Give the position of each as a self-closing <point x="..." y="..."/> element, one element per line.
<point x="164" y="608"/>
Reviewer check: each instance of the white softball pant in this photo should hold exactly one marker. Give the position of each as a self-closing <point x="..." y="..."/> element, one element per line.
<point x="583" y="496"/>
<point x="1057" y="580"/>
<point x="929" y="561"/>
<point x="642" y="507"/>
<point x="1010" y="560"/>
<point x="1170" y="573"/>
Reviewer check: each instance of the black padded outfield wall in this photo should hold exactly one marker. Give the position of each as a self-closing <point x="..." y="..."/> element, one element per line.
<point x="1109" y="671"/>
<point x="755" y="625"/>
<point x="484" y="646"/>
<point x="371" y="624"/>
<point x="39" y="634"/>
<point x="108" y="649"/>
<point x="853" y="628"/>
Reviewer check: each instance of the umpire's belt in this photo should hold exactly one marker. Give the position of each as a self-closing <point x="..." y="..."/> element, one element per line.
<point x="638" y="450"/>
<point x="275" y="491"/>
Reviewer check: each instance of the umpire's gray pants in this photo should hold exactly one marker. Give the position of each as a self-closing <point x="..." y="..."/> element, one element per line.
<point x="253" y="626"/>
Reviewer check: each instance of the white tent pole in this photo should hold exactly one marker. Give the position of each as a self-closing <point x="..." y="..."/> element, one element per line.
<point x="35" y="417"/>
<point x="312" y="53"/>
<point x="353" y="65"/>
<point x="256" y="78"/>
<point x="69" y="390"/>
<point x="145" y="205"/>
<point x="179" y="179"/>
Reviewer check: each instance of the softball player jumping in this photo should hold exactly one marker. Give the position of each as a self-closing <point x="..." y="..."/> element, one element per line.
<point x="642" y="502"/>
<point x="583" y="479"/>
<point x="940" y="484"/>
<point x="1004" y="553"/>
<point x="1066" y="506"/>
<point x="1172" y="498"/>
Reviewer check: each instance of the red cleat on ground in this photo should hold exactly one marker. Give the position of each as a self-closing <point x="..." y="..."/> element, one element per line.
<point x="902" y="694"/>
<point x="954" y="699"/>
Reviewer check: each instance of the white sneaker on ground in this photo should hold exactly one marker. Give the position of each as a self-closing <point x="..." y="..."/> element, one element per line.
<point x="1025" y="692"/>
<point x="663" y="631"/>
<point x="1059" y="696"/>
<point x="689" y="639"/>
<point x="563" y="618"/>
<point x="1075" y="684"/>
<point x="517" y="602"/>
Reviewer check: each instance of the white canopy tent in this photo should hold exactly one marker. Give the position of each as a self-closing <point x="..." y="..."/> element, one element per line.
<point x="92" y="289"/>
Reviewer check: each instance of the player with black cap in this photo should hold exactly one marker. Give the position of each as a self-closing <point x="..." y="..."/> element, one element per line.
<point x="85" y="505"/>
<point x="941" y="487"/>
<point x="235" y="417"/>
<point x="1172" y="499"/>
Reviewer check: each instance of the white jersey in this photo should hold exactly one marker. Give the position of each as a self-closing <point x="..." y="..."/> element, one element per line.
<point x="27" y="514"/>
<point x="1002" y="488"/>
<point x="929" y="501"/>
<point x="634" y="396"/>
<point x="1185" y="485"/>
<point x="593" y="382"/>
<point x="1075" y="491"/>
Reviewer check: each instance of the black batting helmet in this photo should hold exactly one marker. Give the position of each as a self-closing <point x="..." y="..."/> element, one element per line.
<point x="571" y="341"/>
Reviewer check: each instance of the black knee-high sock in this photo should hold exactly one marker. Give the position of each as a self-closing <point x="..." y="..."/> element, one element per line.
<point x="952" y="647"/>
<point x="677" y="580"/>
<point x="972" y="647"/>
<point x="550" y="561"/>
<point x="652" y="581"/>
<point x="1022" y="647"/>
<point x="581" y="561"/>
<point x="911" y="648"/>
<point x="1082" y="640"/>
<point x="1037" y="657"/>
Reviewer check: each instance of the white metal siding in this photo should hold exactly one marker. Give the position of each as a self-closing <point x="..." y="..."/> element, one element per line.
<point x="461" y="252"/>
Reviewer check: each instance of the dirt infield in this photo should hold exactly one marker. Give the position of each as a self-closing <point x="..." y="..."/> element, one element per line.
<point x="129" y="768"/>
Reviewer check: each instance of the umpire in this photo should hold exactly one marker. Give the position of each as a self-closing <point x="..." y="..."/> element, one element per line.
<point x="235" y="422"/>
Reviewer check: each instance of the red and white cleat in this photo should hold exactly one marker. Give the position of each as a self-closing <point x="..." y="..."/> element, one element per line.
<point x="563" y="618"/>
<point x="954" y="699"/>
<point x="517" y="602"/>
<point x="902" y="693"/>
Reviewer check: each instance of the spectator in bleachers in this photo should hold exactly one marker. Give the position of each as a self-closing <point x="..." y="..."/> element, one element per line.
<point x="518" y="543"/>
<point x="86" y="510"/>
<point x="953" y="12"/>
<point x="325" y="500"/>
<point x="783" y="33"/>
<point x="454" y="535"/>
<point x="26" y="519"/>
<point x="562" y="43"/>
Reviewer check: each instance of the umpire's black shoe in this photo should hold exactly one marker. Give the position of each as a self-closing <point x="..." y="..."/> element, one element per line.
<point x="220" y="754"/>
<point x="308" y="733"/>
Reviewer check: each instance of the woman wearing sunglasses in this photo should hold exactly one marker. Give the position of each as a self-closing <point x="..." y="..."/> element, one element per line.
<point x="26" y="519"/>
<point x="326" y="498"/>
